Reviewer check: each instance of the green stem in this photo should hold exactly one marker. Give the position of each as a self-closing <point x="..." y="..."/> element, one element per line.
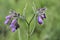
<point x="26" y="22"/>
<point x="19" y="34"/>
<point x="29" y="27"/>
<point x="28" y="31"/>
<point x="34" y="25"/>
<point x="31" y="19"/>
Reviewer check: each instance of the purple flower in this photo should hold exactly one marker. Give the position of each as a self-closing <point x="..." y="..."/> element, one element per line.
<point x="13" y="29"/>
<point x="8" y="17"/>
<point x="6" y="21"/>
<point x="43" y="16"/>
<point x="40" y="21"/>
<point x="12" y="26"/>
<point x="14" y="21"/>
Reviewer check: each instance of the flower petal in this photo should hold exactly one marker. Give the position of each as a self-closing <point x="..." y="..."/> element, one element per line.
<point x="40" y="21"/>
<point x="8" y="17"/>
<point x="14" y="21"/>
<point x="13" y="29"/>
<point x="6" y="21"/>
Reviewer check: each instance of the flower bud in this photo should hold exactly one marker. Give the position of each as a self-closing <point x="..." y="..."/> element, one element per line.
<point x="8" y="17"/>
<point x="6" y="21"/>
<point x="40" y="21"/>
<point x="12" y="26"/>
<point x="13" y="29"/>
<point x="43" y="16"/>
<point x="14" y="21"/>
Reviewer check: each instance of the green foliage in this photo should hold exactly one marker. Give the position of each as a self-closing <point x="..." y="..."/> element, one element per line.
<point x="50" y="30"/>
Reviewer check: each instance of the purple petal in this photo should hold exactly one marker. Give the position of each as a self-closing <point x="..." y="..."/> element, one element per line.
<point x="12" y="26"/>
<point x="8" y="17"/>
<point x="6" y="21"/>
<point x="14" y="21"/>
<point x="43" y="16"/>
<point x="40" y="21"/>
<point x="13" y="29"/>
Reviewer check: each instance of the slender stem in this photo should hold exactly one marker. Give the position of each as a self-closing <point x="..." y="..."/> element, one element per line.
<point x="34" y="25"/>
<point x="26" y="21"/>
<point x="29" y="27"/>
<point x="28" y="31"/>
<point x="31" y="19"/>
<point x="24" y="10"/>
<point x="19" y="34"/>
<point x="34" y="10"/>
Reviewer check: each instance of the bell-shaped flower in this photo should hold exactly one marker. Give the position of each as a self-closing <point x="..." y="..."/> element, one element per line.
<point x="40" y="21"/>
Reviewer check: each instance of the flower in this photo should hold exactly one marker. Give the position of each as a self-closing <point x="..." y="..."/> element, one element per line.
<point x="12" y="26"/>
<point x="40" y="21"/>
<point x="13" y="29"/>
<point x="43" y="16"/>
<point x="8" y="17"/>
<point x="14" y="21"/>
<point x="6" y="21"/>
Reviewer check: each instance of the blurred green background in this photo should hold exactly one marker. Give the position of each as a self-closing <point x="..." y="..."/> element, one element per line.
<point x="50" y="30"/>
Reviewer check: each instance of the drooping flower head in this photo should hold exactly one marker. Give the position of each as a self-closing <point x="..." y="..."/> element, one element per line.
<point x="12" y="19"/>
<point x="41" y="15"/>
